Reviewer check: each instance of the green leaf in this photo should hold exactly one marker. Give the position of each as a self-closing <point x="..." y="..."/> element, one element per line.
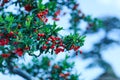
<point x="1" y="60"/>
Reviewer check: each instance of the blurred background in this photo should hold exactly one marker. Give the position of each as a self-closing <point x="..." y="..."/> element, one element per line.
<point x="101" y="51"/>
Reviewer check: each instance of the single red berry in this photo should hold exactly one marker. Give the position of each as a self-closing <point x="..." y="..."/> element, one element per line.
<point x="44" y="47"/>
<point x="27" y="48"/>
<point x="49" y="63"/>
<point x="72" y="47"/>
<point x="46" y="10"/>
<point x="39" y="15"/>
<point x="19" y="26"/>
<point x="39" y="34"/>
<point x="46" y="20"/>
<point x="67" y="74"/>
<point x="47" y="42"/>
<point x="49" y="39"/>
<point x="76" y="48"/>
<point x="57" y="13"/>
<point x="15" y="43"/>
<point x="57" y="38"/>
<point x="11" y="33"/>
<point x="38" y="38"/>
<point x="52" y="47"/>
<point x="56" y="19"/>
<point x="28" y="7"/>
<point x="62" y="75"/>
<point x="42" y="35"/>
<point x="75" y="6"/>
<point x="53" y="38"/>
<point x="80" y="51"/>
<point x="56" y="66"/>
<point x="5" y="1"/>
<point x="61" y="44"/>
<point x="35" y="30"/>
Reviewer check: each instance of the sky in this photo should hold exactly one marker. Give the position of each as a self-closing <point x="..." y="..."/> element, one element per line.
<point x="95" y="8"/>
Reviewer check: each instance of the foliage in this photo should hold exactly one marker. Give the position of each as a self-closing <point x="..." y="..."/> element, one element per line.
<point x="29" y="31"/>
<point x="47" y="70"/>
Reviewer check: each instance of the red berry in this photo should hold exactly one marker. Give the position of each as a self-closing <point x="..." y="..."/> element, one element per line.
<point x="57" y="13"/>
<point x="38" y="38"/>
<point x="42" y="35"/>
<point x="56" y="66"/>
<point x="15" y="43"/>
<point x="53" y="38"/>
<point x="49" y="39"/>
<point x="46" y="20"/>
<point x="80" y="51"/>
<point x="67" y="74"/>
<point x="46" y="42"/>
<point x="39" y="34"/>
<point x="72" y="47"/>
<point x="76" y="48"/>
<point x="11" y="33"/>
<point x="44" y="47"/>
<point x="75" y="6"/>
<point x="19" y="26"/>
<point x="57" y="38"/>
<point x="27" y="48"/>
<point x="28" y="7"/>
<point x="52" y="47"/>
<point x="49" y="63"/>
<point x="62" y="75"/>
<point x="56" y="19"/>
<point x="39" y="15"/>
<point x="5" y="1"/>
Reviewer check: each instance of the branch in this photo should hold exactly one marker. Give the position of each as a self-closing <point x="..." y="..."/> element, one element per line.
<point x="19" y="72"/>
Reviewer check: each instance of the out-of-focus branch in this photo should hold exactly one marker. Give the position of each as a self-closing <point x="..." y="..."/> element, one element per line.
<point x="19" y="71"/>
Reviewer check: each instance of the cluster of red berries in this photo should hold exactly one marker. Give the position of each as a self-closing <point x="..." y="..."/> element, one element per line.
<point x="40" y="35"/>
<point x="5" y="38"/>
<point x="75" y="48"/>
<point x="5" y="55"/>
<point x="64" y="75"/>
<point x="4" y="42"/>
<point x="42" y="15"/>
<point x="19" y="51"/>
<point x="55" y="15"/>
<point x="56" y="44"/>
<point x="52" y="42"/>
